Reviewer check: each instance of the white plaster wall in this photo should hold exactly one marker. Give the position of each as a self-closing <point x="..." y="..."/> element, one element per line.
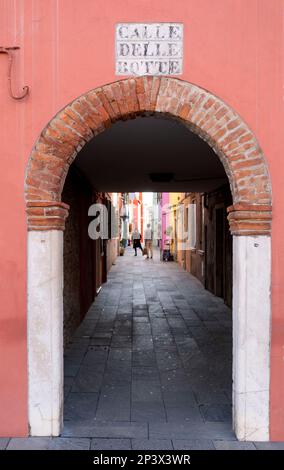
<point x="45" y="332"/>
<point x="251" y="336"/>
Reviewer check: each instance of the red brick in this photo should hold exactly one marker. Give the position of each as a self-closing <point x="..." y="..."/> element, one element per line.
<point x="120" y="98"/>
<point x="89" y="115"/>
<point x="155" y="91"/>
<point x="246" y="138"/>
<point x="72" y="119"/>
<point x="108" y="93"/>
<point x="221" y="132"/>
<point x="183" y="111"/>
<point x="140" y="87"/>
<point x="221" y="112"/>
<point x="100" y="102"/>
<point x="233" y="124"/>
<point x="209" y="103"/>
<point x="248" y="163"/>
<point x="64" y="134"/>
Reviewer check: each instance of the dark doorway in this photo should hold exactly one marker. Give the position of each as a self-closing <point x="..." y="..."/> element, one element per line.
<point x="146" y="359"/>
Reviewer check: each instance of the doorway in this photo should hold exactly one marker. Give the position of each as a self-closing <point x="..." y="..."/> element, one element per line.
<point x="151" y="364"/>
<point x="215" y="122"/>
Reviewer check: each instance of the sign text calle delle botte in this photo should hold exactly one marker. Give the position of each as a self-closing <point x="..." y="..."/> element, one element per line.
<point x="149" y="48"/>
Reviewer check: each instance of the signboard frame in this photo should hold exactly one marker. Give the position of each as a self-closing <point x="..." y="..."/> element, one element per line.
<point x="180" y="42"/>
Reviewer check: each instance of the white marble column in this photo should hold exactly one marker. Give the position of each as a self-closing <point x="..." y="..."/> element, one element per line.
<point x="251" y="336"/>
<point x="45" y="332"/>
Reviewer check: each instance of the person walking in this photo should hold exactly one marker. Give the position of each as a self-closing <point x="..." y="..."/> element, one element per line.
<point x="136" y="240"/>
<point x="148" y="237"/>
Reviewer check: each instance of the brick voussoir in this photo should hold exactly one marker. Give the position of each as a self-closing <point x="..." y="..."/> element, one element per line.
<point x="88" y="114"/>
<point x="130" y="98"/>
<point x="65" y="133"/>
<point x="74" y="122"/>
<point x="148" y="87"/>
<point x="120" y="97"/>
<point x="99" y="103"/>
<point x="141" y="90"/>
<point x="134" y="99"/>
<point x="109" y="102"/>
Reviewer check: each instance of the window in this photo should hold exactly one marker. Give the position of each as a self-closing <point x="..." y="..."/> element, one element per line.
<point x="192" y="225"/>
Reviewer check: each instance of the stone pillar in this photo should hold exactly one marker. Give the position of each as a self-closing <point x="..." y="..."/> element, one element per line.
<point x="251" y="321"/>
<point x="45" y="317"/>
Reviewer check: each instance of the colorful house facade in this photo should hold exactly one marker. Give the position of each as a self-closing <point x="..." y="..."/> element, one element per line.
<point x="225" y="86"/>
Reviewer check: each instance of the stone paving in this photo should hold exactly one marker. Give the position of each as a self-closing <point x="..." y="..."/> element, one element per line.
<point x="149" y="368"/>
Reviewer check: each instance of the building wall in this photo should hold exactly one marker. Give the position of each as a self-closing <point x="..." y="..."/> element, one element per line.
<point x="197" y="260"/>
<point x="210" y="259"/>
<point x="113" y="242"/>
<point x="83" y="261"/>
<point x="190" y="256"/>
<point x="112" y="252"/>
<point x="234" y="48"/>
<point x="174" y="199"/>
<point x="105" y="251"/>
<point x="218" y="245"/>
<point x="71" y="262"/>
<point x="163" y="215"/>
<point x="155" y="222"/>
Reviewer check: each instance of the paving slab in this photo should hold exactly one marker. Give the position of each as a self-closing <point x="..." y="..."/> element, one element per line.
<point x="66" y="443"/>
<point x="150" y="411"/>
<point x="233" y="445"/>
<point x="216" y="413"/>
<point x="193" y="444"/>
<point x="87" y="380"/>
<point x="269" y="445"/>
<point x="81" y="406"/>
<point x="114" y="403"/>
<point x="110" y="444"/>
<point x="3" y="442"/>
<point x="29" y="443"/>
<point x="152" y="444"/>
<point x="191" y="430"/>
<point x="106" y="429"/>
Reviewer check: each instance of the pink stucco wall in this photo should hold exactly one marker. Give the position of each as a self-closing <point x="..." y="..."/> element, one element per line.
<point x="234" y="48"/>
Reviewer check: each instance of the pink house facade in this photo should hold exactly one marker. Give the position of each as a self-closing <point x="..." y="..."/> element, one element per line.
<point x="164" y="201"/>
<point x="232" y="64"/>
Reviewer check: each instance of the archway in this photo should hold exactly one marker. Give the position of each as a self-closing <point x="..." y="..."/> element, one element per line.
<point x="249" y="217"/>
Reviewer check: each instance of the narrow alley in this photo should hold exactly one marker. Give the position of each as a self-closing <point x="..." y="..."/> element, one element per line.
<point x="152" y="360"/>
<point x="149" y="367"/>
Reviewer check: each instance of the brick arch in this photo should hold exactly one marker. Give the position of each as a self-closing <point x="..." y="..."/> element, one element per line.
<point x="204" y="114"/>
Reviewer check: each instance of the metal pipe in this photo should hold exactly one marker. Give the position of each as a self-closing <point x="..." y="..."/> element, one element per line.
<point x="8" y="51"/>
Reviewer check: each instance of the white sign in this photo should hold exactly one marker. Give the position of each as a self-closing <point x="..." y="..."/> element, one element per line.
<point x="149" y="48"/>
